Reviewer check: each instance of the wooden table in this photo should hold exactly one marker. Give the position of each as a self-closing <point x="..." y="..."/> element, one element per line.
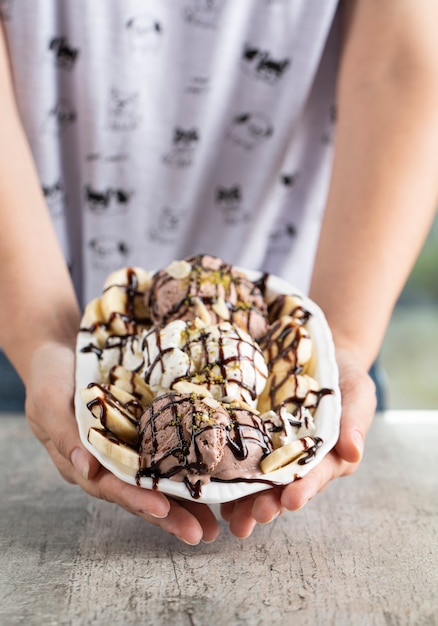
<point x="364" y="552"/>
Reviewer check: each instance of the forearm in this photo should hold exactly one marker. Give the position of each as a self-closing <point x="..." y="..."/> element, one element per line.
<point x="383" y="191"/>
<point x="38" y="303"/>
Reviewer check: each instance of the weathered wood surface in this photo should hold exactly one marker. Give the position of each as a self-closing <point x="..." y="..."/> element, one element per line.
<point x="364" y="552"/>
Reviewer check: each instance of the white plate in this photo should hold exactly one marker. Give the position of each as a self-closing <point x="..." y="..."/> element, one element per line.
<point x="327" y="415"/>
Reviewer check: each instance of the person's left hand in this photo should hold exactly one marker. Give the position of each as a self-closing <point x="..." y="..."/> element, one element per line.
<point x="358" y="409"/>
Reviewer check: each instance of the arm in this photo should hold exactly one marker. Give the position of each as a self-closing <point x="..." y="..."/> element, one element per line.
<point x="38" y="301"/>
<point x="39" y="318"/>
<point x="385" y="183"/>
<point x="380" y="206"/>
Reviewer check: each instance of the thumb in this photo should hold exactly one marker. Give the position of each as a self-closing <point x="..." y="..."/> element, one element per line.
<point x="84" y="463"/>
<point x="358" y="409"/>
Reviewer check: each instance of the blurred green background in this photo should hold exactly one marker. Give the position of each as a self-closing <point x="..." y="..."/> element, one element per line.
<point x="409" y="356"/>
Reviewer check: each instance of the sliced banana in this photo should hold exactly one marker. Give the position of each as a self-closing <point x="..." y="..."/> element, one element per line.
<point x="125" y="276"/>
<point x="114" y="307"/>
<point x="286" y="454"/>
<point x="291" y="305"/>
<point x="113" y="414"/>
<point x="290" y="390"/>
<point x="238" y="403"/>
<point x="201" y="310"/>
<point x="179" y="269"/>
<point x="287" y="342"/>
<point x="132" y="383"/>
<point x="185" y="386"/>
<point x="94" y="320"/>
<point x="220" y="308"/>
<point x="123" y="299"/>
<point x="106" y="443"/>
<point x="93" y="313"/>
<point x="133" y="404"/>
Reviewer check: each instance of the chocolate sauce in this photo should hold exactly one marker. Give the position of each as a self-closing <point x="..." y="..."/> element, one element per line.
<point x="92" y="348"/>
<point x="242" y="430"/>
<point x="239" y="434"/>
<point x="100" y="406"/>
<point x="277" y="308"/>
<point x="310" y="400"/>
<point x="281" y="343"/>
<point x="129" y="317"/>
<point x="225" y="282"/>
<point x="262" y="282"/>
<point x="311" y="451"/>
<point x="219" y="371"/>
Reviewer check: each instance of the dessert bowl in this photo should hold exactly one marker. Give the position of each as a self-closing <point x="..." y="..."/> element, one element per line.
<point x="326" y="418"/>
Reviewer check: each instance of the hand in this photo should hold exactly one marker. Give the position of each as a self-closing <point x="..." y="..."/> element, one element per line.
<point x="49" y="408"/>
<point x="358" y="409"/>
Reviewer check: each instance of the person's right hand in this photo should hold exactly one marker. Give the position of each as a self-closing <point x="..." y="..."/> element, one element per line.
<point x="358" y="409"/>
<point x="50" y="412"/>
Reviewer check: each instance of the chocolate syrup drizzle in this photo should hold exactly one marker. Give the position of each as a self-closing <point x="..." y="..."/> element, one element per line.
<point x="283" y="346"/>
<point x="311" y="400"/>
<point x="227" y="282"/>
<point x="277" y="308"/>
<point x="131" y="410"/>
<point x="129" y="316"/>
<point x="239" y="436"/>
<point x="222" y="371"/>
<point x="310" y="451"/>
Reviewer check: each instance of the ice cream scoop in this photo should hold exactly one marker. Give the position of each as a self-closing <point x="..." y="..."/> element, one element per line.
<point x="205" y="286"/>
<point x="221" y="357"/>
<point x="193" y="439"/>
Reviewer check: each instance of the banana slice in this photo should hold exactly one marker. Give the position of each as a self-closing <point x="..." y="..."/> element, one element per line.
<point x="291" y="305"/>
<point x="113" y="414"/>
<point x="185" y="386"/>
<point x="286" y="454"/>
<point x="220" y="308"/>
<point x="179" y="269"/>
<point x="287" y="345"/>
<point x="106" y="443"/>
<point x="138" y="277"/>
<point x="289" y="390"/>
<point x="132" y="383"/>
<point x="123" y="299"/>
<point x="93" y="320"/>
<point x="93" y="313"/>
<point x="201" y="310"/>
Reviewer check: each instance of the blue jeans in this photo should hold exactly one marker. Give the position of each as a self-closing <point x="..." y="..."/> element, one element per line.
<point x="12" y="392"/>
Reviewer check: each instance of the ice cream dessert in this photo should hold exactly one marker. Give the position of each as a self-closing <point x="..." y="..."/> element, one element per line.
<point x="196" y="439"/>
<point x="203" y="375"/>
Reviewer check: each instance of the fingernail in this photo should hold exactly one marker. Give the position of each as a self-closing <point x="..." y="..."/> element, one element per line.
<point x="302" y="505"/>
<point x="358" y="440"/>
<point x="274" y="517"/>
<point x="80" y="462"/>
<point x="189" y="543"/>
<point x="156" y="515"/>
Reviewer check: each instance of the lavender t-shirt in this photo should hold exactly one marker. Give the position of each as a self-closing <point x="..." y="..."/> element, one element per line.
<point x="163" y="128"/>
